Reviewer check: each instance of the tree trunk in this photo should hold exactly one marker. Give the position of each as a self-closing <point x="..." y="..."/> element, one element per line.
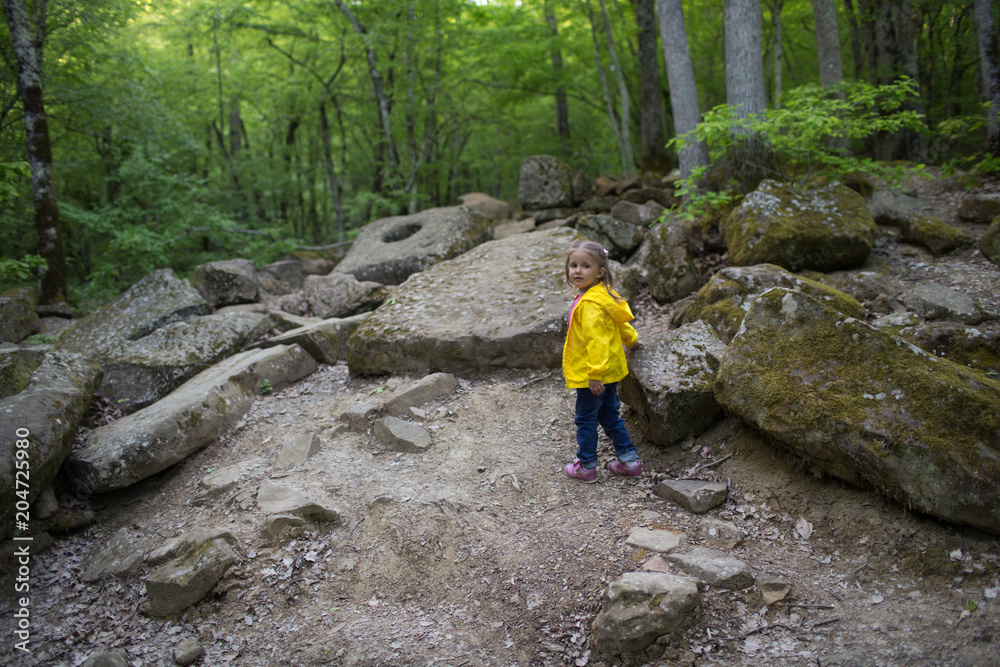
<point x="562" y="107"/>
<point x="628" y="156"/>
<point x="618" y="124"/>
<point x="990" y="67"/>
<point x="653" y="152"/>
<point x="680" y="77"/>
<point x="380" y="97"/>
<point x="857" y="52"/>
<point x="831" y="72"/>
<point x="746" y="93"/>
<point x="27" y="53"/>
<point x="776" y="7"/>
<point x="895" y="56"/>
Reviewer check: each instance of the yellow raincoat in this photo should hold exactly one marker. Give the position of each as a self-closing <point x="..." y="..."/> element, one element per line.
<point x="598" y="327"/>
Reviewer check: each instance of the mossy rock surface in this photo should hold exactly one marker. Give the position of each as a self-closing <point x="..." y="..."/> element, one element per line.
<point x="18" y="318"/>
<point x="46" y="415"/>
<point x="226" y="282"/>
<point x="867" y="407"/>
<point x="989" y="242"/>
<point x="672" y="273"/>
<point x="16" y="366"/>
<point x="936" y="235"/>
<point x="725" y="299"/>
<point x="159" y="299"/>
<point x="545" y="182"/>
<point x="502" y="304"/>
<point x="824" y="229"/>
<point x="970" y="346"/>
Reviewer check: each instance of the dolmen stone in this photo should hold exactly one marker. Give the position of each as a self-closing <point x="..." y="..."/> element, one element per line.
<point x="694" y="495"/>
<point x="41" y="422"/>
<point x="143" y="371"/>
<point x="823" y="229"/>
<point x="670" y="383"/>
<point x="325" y="340"/>
<point x="726" y="297"/>
<point x="468" y="314"/>
<point x="18" y="318"/>
<point x="159" y="299"/>
<point x="193" y="415"/>
<point x="638" y="609"/>
<point x="226" y="282"/>
<point x="716" y="568"/>
<point x="390" y="250"/>
<point x="867" y="407"/>
<point x="341" y="295"/>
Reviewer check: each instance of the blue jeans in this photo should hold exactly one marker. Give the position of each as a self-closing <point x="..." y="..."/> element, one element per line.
<point x="593" y="410"/>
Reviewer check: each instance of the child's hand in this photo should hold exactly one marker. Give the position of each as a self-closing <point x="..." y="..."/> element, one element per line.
<point x="629" y="350"/>
<point x="596" y="387"/>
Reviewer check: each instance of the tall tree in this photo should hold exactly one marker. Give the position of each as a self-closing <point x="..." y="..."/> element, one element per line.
<point x="653" y="151"/>
<point x="620" y="122"/>
<point x="831" y="71"/>
<point x="746" y="90"/>
<point x="27" y="49"/>
<point x="680" y="77"/>
<point x="555" y="52"/>
<point x="989" y="65"/>
<point x="777" y="38"/>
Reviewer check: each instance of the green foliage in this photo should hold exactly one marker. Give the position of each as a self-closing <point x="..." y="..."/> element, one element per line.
<point x="14" y="271"/>
<point x="11" y="174"/>
<point x="265" y="386"/>
<point x="808" y="136"/>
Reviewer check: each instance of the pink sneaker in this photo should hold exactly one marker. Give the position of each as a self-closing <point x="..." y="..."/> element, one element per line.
<point x="577" y="471"/>
<point x="631" y="469"/>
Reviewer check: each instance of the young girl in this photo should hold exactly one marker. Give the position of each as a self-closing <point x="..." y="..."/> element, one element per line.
<point x="594" y="361"/>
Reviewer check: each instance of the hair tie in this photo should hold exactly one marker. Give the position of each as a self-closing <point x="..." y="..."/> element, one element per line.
<point x="604" y="250"/>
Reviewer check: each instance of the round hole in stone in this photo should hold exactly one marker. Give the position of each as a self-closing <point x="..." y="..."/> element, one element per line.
<point x="401" y="232"/>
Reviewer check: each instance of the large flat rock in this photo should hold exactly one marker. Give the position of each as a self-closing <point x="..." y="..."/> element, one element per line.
<point x="192" y="416"/>
<point x="502" y="304"/>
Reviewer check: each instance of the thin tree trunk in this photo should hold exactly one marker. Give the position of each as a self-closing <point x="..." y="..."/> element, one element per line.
<point x="562" y="106"/>
<point x="856" y="51"/>
<point x="776" y="8"/>
<point x="989" y="65"/>
<point x="746" y="91"/>
<point x="653" y="153"/>
<point x="27" y="53"/>
<point x="680" y="77"/>
<point x="380" y="97"/>
<point x="831" y="70"/>
<point x="331" y="172"/>
<point x="628" y="156"/>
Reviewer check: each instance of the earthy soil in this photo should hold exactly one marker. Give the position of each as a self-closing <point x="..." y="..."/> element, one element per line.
<point x="481" y="552"/>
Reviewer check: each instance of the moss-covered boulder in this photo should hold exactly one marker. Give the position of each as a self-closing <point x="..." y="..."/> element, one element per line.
<point x="936" y="235"/>
<point x="197" y="413"/>
<point x="867" y="407"/>
<point x="502" y="304"/>
<point x="671" y="271"/>
<point x="44" y="418"/>
<point x="970" y="346"/>
<point x="670" y="383"/>
<point x="341" y="295"/>
<point x="18" y="318"/>
<point x="159" y="299"/>
<point x="933" y="301"/>
<point x="617" y="237"/>
<point x="390" y="250"/>
<point x="545" y="182"/>
<point x="823" y="229"/>
<point x="143" y="371"/>
<point x="893" y="208"/>
<point x="226" y="282"/>
<point x="979" y="207"/>
<point x="725" y="299"/>
<point x="989" y="242"/>
<point x="16" y="366"/>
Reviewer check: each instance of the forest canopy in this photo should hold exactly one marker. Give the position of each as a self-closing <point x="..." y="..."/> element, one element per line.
<point x="182" y="131"/>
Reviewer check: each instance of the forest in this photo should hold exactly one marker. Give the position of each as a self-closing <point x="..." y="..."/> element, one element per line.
<point x="136" y="135"/>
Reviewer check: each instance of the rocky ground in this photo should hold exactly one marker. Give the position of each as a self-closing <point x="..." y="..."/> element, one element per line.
<point x="481" y="552"/>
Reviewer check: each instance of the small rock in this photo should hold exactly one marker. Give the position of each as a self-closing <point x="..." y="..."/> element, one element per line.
<point x="187" y="652"/>
<point x="359" y="417"/>
<point x="401" y="436"/>
<point x="279" y="528"/>
<point x="115" y="658"/>
<point x="714" y="567"/>
<point x="656" y="564"/>
<point x="428" y="388"/>
<point x="276" y="498"/>
<point x="185" y="580"/>
<point x="660" y="541"/>
<point x="720" y="533"/>
<point x="46" y="505"/>
<point x="116" y="557"/>
<point x="772" y="589"/>
<point x="693" y="495"/>
<point x="297" y="448"/>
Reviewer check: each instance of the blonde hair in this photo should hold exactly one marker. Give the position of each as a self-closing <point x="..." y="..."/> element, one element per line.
<point x="600" y="257"/>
